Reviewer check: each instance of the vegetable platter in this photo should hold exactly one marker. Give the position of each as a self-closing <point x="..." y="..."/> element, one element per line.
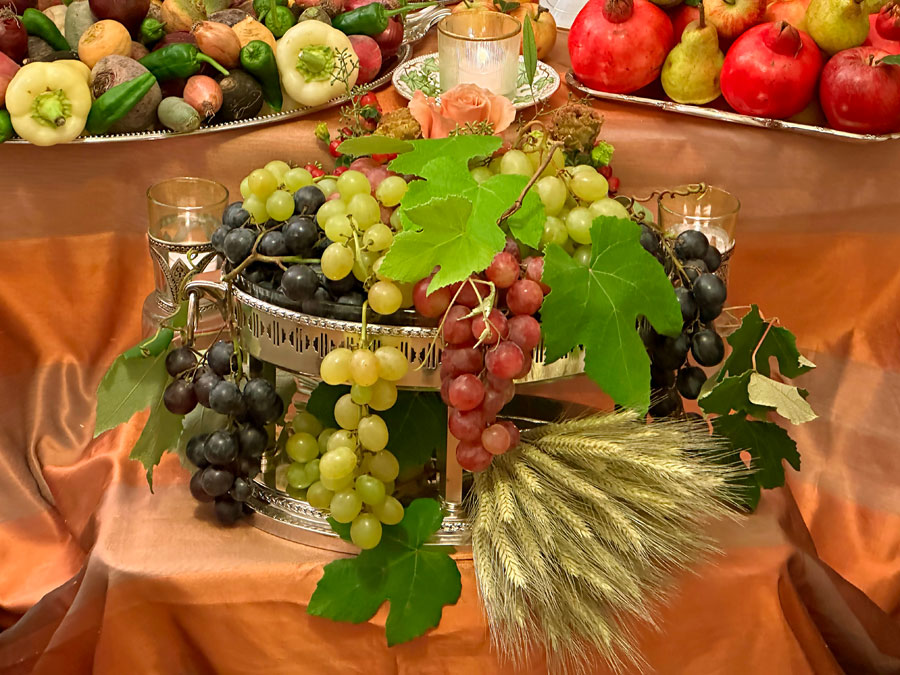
<point x="97" y="70"/>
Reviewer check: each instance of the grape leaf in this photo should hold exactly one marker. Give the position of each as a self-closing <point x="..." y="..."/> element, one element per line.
<point x="129" y="386"/>
<point x="778" y="342"/>
<point x="529" y="50"/>
<point x="152" y="346"/>
<point x="374" y="145"/>
<point x="200" y="420"/>
<point x="729" y="395"/>
<point x="786" y="399"/>
<point x="442" y="177"/>
<point x="526" y="224"/>
<point x="766" y="442"/>
<point x="161" y="433"/>
<point x="322" y="399"/>
<point x="416" y="580"/>
<point x="417" y="426"/>
<point x="458" y="149"/>
<point x="597" y="307"/>
<point x="341" y="529"/>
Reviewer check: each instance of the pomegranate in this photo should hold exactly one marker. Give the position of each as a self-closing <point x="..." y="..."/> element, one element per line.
<point x="681" y="17"/>
<point x="861" y="94"/>
<point x="876" y="39"/>
<point x="887" y="23"/>
<point x="771" y="71"/>
<point x="619" y="46"/>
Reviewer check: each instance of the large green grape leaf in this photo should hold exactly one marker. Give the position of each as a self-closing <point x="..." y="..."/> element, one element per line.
<point x="730" y="394"/>
<point x="457" y="149"/>
<point x="417" y="426"/>
<point x="417" y="581"/>
<point x="597" y="307"/>
<point x="129" y="386"/>
<point x="161" y="433"/>
<point x="778" y="342"/>
<point x="766" y="442"/>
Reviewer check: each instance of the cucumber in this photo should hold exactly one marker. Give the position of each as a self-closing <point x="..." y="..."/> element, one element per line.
<point x="78" y="19"/>
<point x="176" y="114"/>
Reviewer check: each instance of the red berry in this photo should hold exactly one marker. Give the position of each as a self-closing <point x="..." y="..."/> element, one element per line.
<point x="466" y="425"/>
<point x="428" y="304"/>
<point x="471" y="294"/>
<point x="338" y="170"/>
<point x="613" y="185"/>
<point x="524" y="297"/>
<point x="385" y="158"/>
<point x="534" y="271"/>
<point x="316" y="172"/>
<point x="333" y="147"/>
<point x="495" y="439"/>
<point x="472" y="456"/>
<point x="466" y="392"/>
<point x="513" y="433"/>
<point x="368" y="99"/>
<point x="505" y="360"/>
<point x="605" y="171"/>
<point x="347" y="131"/>
<point x="525" y="331"/>
<point x="457" y="329"/>
<point x="504" y="270"/>
<point x="490" y="333"/>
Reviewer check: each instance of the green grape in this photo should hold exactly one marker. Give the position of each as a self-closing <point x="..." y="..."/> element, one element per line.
<point x="339" y="229"/>
<point x="335" y="207"/>
<point x="535" y="157"/>
<point x="297" y="178"/>
<point x="280" y="205"/>
<point x="323" y="438"/>
<point x="581" y="168"/>
<point x="578" y="224"/>
<point x="392" y="364"/>
<point x="297" y="476"/>
<point x="389" y="512"/>
<point x="347" y="413"/>
<point x="328" y="186"/>
<point x="365" y="531"/>
<point x="555" y="232"/>
<point x="335" y="367"/>
<point x="384" y="395"/>
<point x="378" y="237"/>
<point x="245" y="188"/>
<point x="389" y="487"/>
<point x="319" y="496"/>
<point x="516" y="163"/>
<point x="337" y="463"/>
<point x="342" y="438"/>
<point x="306" y="422"/>
<point x="370" y="490"/>
<point x="360" y="395"/>
<point x="256" y="207"/>
<point x="278" y="169"/>
<point x="362" y="267"/>
<point x="391" y="190"/>
<point x="552" y="192"/>
<point x="364" y="208"/>
<point x="295" y="493"/>
<point x="335" y="484"/>
<point x="494" y="165"/>
<point x="262" y="183"/>
<point x="582" y="255"/>
<point x="302" y="447"/>
<point x="589" y="186"/>
<point x="481" y="174"/>
<point x="345" y="505"/>
<point x="384" y="466"/>
<point x="557" y="162"/>
<point x="337" y="261"/>
<point x="608" y="207"/>
<point x="353" y="183"/>
<point x="385" y="297"/>
<point x="376" y="266"/>
<point x="406" y="290"/>
<point x="373" y="433"/>
<point x="569" y="247"/>
<point x="363" y="369"/>
<point x="395" y="221"/>
<point x="312" y="470"/>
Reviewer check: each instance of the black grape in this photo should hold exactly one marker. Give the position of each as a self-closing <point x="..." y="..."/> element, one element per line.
<point x="197" y="490"/>
<point x="709" y="291"/>
<point x="220" y="357"/>
<point x="671" y="352"/>
<point x="252" y="441"/>
<point x="300" y="235"/>
<point x="238" y="244"/>
<point x="179" y="397"/>
<point x="272" y="243"/>
<point x="661" y="378"/>
<point x="694" y="268"/>
<point x="221" y="448"/>
<point x="228" y="511"/>
<point x="196" y="451"/>
<point x="299" y="282"/>
<point x="180" y="360"/>
<point x="690" y="380"/>
<point x="215" y="481"/>
<point x="218" y="239"/>
<point x="235" y="216"/>
<point x="354" y="299"/>
<point x="241" y="490"/>
<point x="712" y="258"/>
<point x="707" y="347"/>
<point x="225" y="398"/>
<point x="341" y="286"/>
<point x="649" y="240"/>
<point x="667" y="404"/>
<point x="687" y="303"/>
<point x="249" y="466"/>
<point x="260" y="397"/>
<point x="308" y="200"/>
<point x="257" y="272"/>
<point x="203" y="385"/>
<point x="707" y="314"/>
<point x="691" y="244"/>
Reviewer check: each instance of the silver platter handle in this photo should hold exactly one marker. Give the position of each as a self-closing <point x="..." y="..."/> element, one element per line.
<point x="194" y="291"/>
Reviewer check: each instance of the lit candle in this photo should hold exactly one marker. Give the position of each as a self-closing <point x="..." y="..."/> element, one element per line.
<point x="478" y="67"/>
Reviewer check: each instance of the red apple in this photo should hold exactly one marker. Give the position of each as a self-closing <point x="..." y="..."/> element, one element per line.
<point x="792" y="11"/>
<point x="771" y="71"/>
<point x="681" y="17"/>
<point x="733" y="17"/>
<point x="619" y="46"/>
<point x="861" y="94"/>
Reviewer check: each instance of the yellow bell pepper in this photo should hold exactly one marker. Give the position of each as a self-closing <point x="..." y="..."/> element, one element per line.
<point x="316" y="63"/>
<point x="48" y="103"/>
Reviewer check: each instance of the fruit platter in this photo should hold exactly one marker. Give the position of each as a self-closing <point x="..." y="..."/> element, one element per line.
<point x="120" y="70"/>
<point x="828" y="68"/>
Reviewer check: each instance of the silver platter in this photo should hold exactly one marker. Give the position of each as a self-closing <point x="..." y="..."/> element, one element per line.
<point x="731" y="117"/>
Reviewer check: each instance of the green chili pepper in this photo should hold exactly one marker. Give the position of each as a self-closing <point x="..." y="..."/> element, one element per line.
<point x="258" y="59"/>
<point x="178" y="60"/>
<point x="262" y="7"/>
<point x="279" y="19"/>
<point x="116" y="102"/>
<point x="152" y="30"/>
<point x="371" y="19"/>
<point x="153" y="345"/>
<point x="6" y="128"/>
<point x="39" y="24"/>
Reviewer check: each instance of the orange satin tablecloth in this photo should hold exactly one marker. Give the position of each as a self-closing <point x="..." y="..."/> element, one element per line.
<point x="99" y="575"/>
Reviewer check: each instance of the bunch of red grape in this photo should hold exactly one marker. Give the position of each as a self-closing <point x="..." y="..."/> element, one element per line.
<point x="489" y="332"/>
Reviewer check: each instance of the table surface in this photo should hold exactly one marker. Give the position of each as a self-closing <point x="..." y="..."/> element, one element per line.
<point x="98" y="574"/>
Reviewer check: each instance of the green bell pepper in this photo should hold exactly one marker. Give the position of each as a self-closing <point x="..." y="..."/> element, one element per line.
<point x="40" y="25"/>
<point x="371" y="19"/>
<point x="258" y="59"/>
<point x="279" y="19"/>
<point x="178" y="60"/>
<point x="117" y="102"/>
<point x="6" y="127"/>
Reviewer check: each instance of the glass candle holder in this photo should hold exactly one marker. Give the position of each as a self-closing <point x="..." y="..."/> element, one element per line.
<point x="480" y="48"/>
<point x="183" y="214"/>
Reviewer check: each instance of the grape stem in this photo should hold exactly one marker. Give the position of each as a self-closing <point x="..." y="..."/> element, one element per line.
<point x="259" y="257"/>
<point x="762" y="339"/>
<point x="551" y="149"/>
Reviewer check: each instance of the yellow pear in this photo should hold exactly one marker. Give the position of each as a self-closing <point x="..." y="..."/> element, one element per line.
<point x="837" y="25"/>
<point x="691" y="71"/>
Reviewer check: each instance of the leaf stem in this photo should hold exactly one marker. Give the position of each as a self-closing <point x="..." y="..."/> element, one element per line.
<point x="759" y="344"/>
<point x="551" y="149"/>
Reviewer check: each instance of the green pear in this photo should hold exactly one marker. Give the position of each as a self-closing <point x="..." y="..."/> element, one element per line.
<point x="691" y="71"/>
<point x="837" y="25"/>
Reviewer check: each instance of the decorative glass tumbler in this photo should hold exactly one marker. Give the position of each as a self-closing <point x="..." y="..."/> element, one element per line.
<point x="480" y="48"/>
<point x="183" y="214"/>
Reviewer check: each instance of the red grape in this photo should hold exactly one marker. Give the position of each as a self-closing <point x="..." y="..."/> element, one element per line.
<point x="457" y="329"/>
<point x="430" y="304"/>
<point x="524" y="297"/>
<point x="472" y="456"/>
<point x="525" y="331"/>
<point x="466" y="392"/>
<point x="467" y="360"/>
<point x="505" y="360"/>
<point x="605" y="171"/>
<point x="495" y="439"/>
<point x="471" y="294"/>
<point x="534" y="271"/>
<point x="493" y="402"/>
<point x="445" y="390"/>
<point x="513" y="433"/>
<point x="448" y="369"/>
<point x="497" y="328"/>
<point x="503" y="385"/>
<point x="504" y="270"/>
<point x="467" y="425"/>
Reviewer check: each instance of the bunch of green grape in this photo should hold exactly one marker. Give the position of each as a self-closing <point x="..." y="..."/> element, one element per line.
<point x="355" y="219"/>
<point x="268" y="192"/>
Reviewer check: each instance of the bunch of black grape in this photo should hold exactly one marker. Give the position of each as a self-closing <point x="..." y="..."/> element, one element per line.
<point x="701" y="295"/>
<point x="229" y="458"/>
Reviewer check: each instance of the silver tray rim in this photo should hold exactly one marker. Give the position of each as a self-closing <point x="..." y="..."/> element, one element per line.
<point x="731" y="117"/>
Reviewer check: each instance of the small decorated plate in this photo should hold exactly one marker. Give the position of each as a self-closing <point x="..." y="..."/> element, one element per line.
<point x="423" y="73"/>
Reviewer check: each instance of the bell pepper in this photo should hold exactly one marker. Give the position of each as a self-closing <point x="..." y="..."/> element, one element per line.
<point x="178" y="60"/>
<point x="279" y="19"/>
<point x="6" y="129"/>
<point x="40" y="25"/>
<point x="262" y="7"/>
<point x="49" y="103"/>
<point x="371" y="19"/>
<point x="258" y="59"/>
<point x="152" y="30"/>
<point x="316" y="63"/>
<point x="116" y="102"/>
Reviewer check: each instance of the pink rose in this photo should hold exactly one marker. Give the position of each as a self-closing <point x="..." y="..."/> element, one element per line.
<point x="465" y="103"/>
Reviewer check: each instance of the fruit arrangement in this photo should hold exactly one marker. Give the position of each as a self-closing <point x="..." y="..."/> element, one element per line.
<point x="95" y="67"/>
<point x="808" y="61"/>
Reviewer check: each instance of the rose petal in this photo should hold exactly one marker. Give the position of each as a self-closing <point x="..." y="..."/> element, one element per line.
<point x="502" y="113"/>
<point x="466" y="103"/>
<point x="423" y="109"/>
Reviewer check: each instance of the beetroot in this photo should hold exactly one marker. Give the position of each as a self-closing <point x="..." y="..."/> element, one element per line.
<point x="619" y="46"/>
<point x="771" y="71"/>
<point x="173" y="38"/>
<point x="369" y="55"/>
<point x="13" y="38"/>
<point x="129" y="13"/>
<point x="390" y="38"/>
<point x="19" y="6"/>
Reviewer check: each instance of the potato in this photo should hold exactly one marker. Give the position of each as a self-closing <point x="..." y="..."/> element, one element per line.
<point x="115" y="69"/>
<point x="250" y="29"/>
